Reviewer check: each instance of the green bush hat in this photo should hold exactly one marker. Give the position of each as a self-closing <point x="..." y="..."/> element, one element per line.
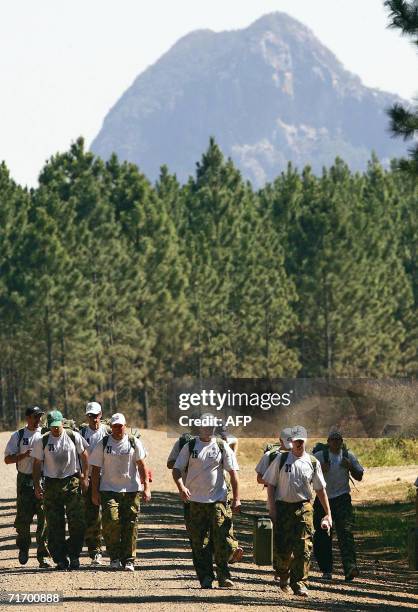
<point x="54" y="418"/>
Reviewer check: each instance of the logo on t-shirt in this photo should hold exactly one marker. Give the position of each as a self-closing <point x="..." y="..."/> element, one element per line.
<point x="25" y="441"/>
<point x="51" y="448"/>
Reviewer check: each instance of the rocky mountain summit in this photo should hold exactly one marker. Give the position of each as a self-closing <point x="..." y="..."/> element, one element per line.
<point x="269" y="94"/>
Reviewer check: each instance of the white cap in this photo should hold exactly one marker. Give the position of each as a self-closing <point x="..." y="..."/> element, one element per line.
<point x="93" y="408"/>
<point x="118" y="419"/>
<point x="286" y="437"/>
<point x="299" y="433"/>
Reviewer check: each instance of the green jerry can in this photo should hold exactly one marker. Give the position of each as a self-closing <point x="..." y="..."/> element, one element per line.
<point x="413" y="548"/>
<point x="263" y="541"/>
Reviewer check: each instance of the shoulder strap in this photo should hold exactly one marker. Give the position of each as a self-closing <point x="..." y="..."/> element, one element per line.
<point x="45" y="437"/>
<point x="325" y="454"/>
<point x="20" y="435"/>
<point x="131" y="439"/>
<point x="272" y="456"/>
<point x="314" y="461"/>
<point x="83" y="431"/>
<point x="191" y="444"/>
<point x="105" y="440"/>
<point x="283" y="459"/>
<point x="70" y="434"/>
<point x="221" y="445"/>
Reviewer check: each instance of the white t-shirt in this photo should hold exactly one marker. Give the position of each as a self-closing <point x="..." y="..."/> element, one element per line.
<point x="119" y="464"/>
<point x="93" y="437"/>
<point x="337" y="477"/>
<point x="205" y="477"/>
<point x="296" y="480"/>
<point x="14" y="448"/>
<point x="60" y="455"/>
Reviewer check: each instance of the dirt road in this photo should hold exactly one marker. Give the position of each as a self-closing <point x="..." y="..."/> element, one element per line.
<point x="165" y="579"/>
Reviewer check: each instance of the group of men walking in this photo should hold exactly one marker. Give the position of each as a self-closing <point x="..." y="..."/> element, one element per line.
<point x="95" y="477"/>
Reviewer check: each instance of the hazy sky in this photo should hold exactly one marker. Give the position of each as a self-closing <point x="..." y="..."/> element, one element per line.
<point x="64" y="64"/>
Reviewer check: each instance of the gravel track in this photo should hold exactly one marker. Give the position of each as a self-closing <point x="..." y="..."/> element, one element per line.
<point x="164" y="579"/>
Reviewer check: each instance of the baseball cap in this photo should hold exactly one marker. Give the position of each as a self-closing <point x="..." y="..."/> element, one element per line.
<point x="298" y="433"/>
<point x="286" y="437"/>
<point x="117" y="419"/>
<point x="93" y="408"/>
<point x="34" y="410"/>
<point x="334" y="434"/>
<point x="54" y="418"/>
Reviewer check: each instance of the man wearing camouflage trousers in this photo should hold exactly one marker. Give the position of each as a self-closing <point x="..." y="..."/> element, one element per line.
<point x="204" y="459"/>
<point x="18" y="451"/>
<point x="93" y="433"/>
<point x="292" y="479"/>
<point x="61" y="452"/>
<point x="120" y="458"/>
<point x="337" y="465"/>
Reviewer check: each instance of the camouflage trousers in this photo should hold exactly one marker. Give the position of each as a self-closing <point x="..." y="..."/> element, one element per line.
<point x="293" y="541"/>
<point x="343" y="522"/>
<point x="62" y="497"/>
<point x="120" y="524"/>
<point x="209" y="530"/>
<point x="27" y="505"/>
<point x="93" y="517"/>
<point x="231" y="539"/>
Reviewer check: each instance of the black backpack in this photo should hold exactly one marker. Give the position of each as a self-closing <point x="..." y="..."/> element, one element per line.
<point x="322" y="446"/>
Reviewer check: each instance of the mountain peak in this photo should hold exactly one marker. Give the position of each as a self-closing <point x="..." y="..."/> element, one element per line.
<point x="269" y="93"/>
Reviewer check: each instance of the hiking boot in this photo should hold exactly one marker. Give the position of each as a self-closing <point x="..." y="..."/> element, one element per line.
<point x="75" y="564"/>
<point x="351" y="574"/>
<point x="45" y="563"/>
<point x="129" y="566"/>
<point x="236" y="555"/>
<point x="97" y="559"/>
<point x="285" y="587"/>
<point x="226" y="583"/>
<point x="23" y="556"/>
<point x="327" y="576"/>
<point x="63" y="565"/>
<point x="301" y="591"/>
<point x="115" y="564"/>
<point x="206" y="583"/>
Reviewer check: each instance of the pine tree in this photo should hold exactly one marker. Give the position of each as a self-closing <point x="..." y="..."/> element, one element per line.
<point x="404" y="121"/>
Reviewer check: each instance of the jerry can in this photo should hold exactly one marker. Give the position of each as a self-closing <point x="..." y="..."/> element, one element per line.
<point x="263" y="541"/>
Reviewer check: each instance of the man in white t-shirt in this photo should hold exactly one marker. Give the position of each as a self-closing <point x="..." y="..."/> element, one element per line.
<point x="120" y="458"/>
<point x="93" y="433"/>
<point x="18" y="451"/>
<point x="61" y="452"/>
<point x="338" y="464"/>
<point x="292" y="479"/>
<point x="204" y="459"/>
<point x="272" y="450"/>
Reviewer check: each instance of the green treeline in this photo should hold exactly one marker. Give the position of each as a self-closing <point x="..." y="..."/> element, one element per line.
<point x="110" y="285"/>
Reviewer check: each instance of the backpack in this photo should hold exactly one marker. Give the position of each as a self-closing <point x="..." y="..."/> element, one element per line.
<point x="69" y="432"/>
<point x="192" y="443"/>
<point x="322" y="446"/>
<point x="131" y="438"/>
<point x="84" y="427"/>
<point x="20" y="435"/>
